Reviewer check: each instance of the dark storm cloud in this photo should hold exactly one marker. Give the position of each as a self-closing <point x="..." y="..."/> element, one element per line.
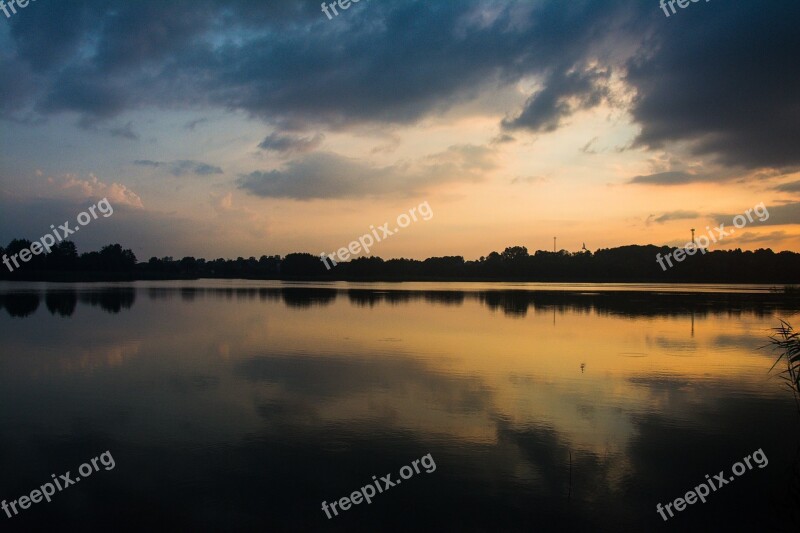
<point x="86" y="91"/>
<point x="395" y="61"/>
<point x="720" y="77"/>
<point x="47" y="35"/>
<point x="16" y="85"/>
<point x="564" y="94"/>
<point x="724" y="77"/>
<point x="182" y="168"/>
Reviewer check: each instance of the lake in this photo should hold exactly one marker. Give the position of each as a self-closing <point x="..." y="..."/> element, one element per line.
<point x="244" y="405"/>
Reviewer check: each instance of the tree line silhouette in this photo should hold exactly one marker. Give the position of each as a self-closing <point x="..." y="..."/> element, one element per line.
<point x="63" y="260"/>
<point x="623" y="264"/>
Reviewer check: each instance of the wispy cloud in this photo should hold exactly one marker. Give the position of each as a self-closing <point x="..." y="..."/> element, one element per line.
<point x="125" y="132"/>
<point x="673" y="215"/>
<point x="789" y="187"/>
<point x="750" y="237"/>
<point x="779" y="215"/>
<point x="288" y="144"/>
<point x="181" y="168"/>
<point x="530" y="180"/>
<point x="192" y="124"/>
<point x="674" y="177"/>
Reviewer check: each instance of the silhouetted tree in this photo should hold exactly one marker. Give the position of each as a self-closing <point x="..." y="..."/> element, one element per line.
<point x="63" y="256"/>
<point x="515" y="253"/>
<point x="302" y="265"/>
<point x="113" y="258"/>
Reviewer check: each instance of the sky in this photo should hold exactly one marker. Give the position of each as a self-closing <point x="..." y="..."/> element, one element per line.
<point x="252" y="127"/>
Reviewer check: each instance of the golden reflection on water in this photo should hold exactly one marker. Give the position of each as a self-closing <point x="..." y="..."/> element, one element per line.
<point x="440" y="370"/>
<point x="512" y="390"/>
<point x="528" y="370"/>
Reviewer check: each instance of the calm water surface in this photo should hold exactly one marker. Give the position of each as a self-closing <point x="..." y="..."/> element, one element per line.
<point x="236" y="405"/>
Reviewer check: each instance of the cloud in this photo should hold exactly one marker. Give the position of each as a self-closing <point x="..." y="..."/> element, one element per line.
<point x="16" y="86"/>
<point x="673" y="215"/>
<point x="721" y="82"/>
<point x="682" y="172"/>
<point x="71" y="187"/>
<point x="789" y="187"/>
<point x="222" y="202"/>
<point x="84" y="91"/>
<point x="563" y="94"/>
<point x="192" y="124"/>
<point x="587" y="148"/>
<point x="117" y="56"/>
<point x="287" y="144"/>
<point x="503" y="138"/>
<point x="674" y="177"/>
<point x="750" y="237"/>
<point x="327" y="175"/>
<point x="529" y="180"/>
<point x="182" y="168"/>
<point x="724" y="80"/>
<point x="148" y="163"/>
<point x="124" y="132"/>
<point x="779" y="215"/>
<point x="318" y="176"/>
